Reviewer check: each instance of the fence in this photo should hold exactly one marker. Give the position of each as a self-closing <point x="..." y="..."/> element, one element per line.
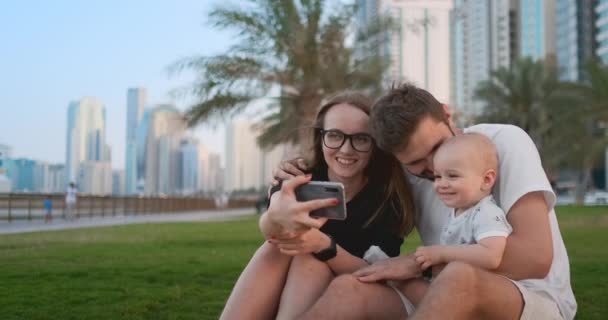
<point x="15" y="206"/>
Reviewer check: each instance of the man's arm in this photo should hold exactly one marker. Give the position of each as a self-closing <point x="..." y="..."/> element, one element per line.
<point x="486" y="254"/>
<point x="529" y="250"/>
<point x="397" y="268"/>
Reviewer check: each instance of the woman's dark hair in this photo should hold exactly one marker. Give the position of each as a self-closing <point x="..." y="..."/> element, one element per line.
<point x="383" y="168"/>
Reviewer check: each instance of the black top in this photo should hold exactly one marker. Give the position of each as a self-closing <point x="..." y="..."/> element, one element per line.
<point x="351" y="234"/>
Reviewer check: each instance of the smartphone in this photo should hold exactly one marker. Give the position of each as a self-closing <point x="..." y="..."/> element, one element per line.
<point x="322" y="190"/>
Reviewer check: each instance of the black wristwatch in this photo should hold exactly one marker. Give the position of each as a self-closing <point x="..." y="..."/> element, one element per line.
<point x="327" y="253"/>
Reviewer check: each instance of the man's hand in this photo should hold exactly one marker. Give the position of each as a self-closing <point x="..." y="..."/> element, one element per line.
<point x="289" y="169"/>
<point x="398" y="268"/>
<point x="428" y="256"/>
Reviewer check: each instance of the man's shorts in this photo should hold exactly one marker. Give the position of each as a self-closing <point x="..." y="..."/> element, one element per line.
<point x="537" y="305"/>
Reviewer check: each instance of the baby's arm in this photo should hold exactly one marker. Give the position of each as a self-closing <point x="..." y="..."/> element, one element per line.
<point x="487" y="254"/>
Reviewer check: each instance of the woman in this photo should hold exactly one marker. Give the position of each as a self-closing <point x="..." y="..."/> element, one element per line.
<point x="303" y="254"/>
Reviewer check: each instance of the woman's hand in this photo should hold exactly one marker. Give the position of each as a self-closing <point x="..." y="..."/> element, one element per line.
<point x="312" y="240"/>
<point x="289" y="214"/>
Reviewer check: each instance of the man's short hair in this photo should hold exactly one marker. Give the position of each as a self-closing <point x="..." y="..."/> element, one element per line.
<point x="396" y="115"/>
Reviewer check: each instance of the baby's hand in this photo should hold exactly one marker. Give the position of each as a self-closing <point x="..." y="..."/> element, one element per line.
<point x="428" y="256"/>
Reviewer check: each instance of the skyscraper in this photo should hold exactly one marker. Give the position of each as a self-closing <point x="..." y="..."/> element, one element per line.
<point x="136" y="100"/>
<point x="190" y="166"/>
<point x="538" y="29"/>
<point x="481" y="43"/>
<point x="242" y="157"/>
<point x="95" y="178"/>
<point x="215" y="174"/>
<point x="419" y="50"/>
<point x="5" y="183"/>
<point x="6" y="152"/>
<point x="21" y="173"/>
<point x="575" y="25"/>
<point x="56" y="178"/>
<point x="601" y="10"/>
<point x="158" y="142"/>
<point x="85" y="139"/>
<point x="118" y="182"/>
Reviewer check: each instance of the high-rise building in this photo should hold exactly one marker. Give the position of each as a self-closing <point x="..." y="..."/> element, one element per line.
<point x="136" y="101"/>
<point x="41" y="177"/>
<point x="190" y="165"/>
<point x="575" y="25"/>
<point x="118" y="182"/>
<point x="419" y="49"/>
<point x="242" y="157"/>
<point x="86" y="134"/>
<point x="5" y="183"/>
<point x="537" y="22"/>
<point x="56" y="178"/>
<point x="271" y="158"/>
<point x="158" y="157"/>
<point x="203" y="168"/>
<point x="481" y="43"/>
<point x="6" y="152"/>
<point x="215" y="174"/>
<point x="21" y="173"/>
<point x="247" y="165"/>
<point x="601" y="10"/>
<point x="95" y="177"/>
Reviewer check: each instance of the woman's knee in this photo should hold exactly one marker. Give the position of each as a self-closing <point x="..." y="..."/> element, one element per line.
<point x="269" y="251"/>
<point x="309" y="263"/>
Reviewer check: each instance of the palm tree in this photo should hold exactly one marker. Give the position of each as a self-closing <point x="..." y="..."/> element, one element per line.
<point x="566" y="120"/>
<point x="590" y="121"/>
<point x="296" y="47"/>
<point x="526" y="95"/>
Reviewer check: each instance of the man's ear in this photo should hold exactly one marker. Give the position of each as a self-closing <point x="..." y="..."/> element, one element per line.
<point x="448" y="115"/>
<point x="489" y="178"/>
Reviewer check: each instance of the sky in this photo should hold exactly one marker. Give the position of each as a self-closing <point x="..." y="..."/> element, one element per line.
<point x="54" y="52"/>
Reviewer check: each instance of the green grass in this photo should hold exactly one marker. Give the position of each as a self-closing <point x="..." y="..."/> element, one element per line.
<point x="186" y="270"/>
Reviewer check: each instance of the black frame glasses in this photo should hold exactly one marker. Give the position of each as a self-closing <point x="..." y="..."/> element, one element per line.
<point x="345" y="137"/>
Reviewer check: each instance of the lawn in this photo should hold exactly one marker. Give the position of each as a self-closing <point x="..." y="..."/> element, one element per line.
<point x="186" y="270"/>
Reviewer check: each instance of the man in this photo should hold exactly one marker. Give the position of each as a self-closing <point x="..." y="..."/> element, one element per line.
<point x="410" y="123"/>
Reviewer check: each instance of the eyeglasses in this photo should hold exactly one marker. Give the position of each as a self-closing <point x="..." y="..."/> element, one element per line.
<point x="334" y="139"/>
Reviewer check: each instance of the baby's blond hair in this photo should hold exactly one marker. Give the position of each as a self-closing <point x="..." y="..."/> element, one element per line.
<point x="479" y="148"/>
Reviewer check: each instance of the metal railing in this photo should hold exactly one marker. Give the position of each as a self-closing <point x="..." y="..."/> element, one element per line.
<point x="23" y="206"/>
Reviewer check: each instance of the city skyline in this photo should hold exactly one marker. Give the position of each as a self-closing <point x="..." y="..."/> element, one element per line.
<point x="59" y="52"/>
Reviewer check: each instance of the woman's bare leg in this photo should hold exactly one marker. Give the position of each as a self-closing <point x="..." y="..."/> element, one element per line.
<point x="257" y="292"/>
<point x="306" y="281"/>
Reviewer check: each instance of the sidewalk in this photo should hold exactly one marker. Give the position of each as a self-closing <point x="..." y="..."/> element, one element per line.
<point x="19" y="226"/>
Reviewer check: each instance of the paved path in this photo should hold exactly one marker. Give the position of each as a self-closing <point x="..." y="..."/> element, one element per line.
<point x="19" y="226"/>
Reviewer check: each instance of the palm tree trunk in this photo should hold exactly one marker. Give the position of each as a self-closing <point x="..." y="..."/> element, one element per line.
<point x="308" y="112"/>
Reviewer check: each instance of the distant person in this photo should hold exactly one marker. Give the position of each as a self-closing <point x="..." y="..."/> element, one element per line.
<point x="71" y="196"/>
<point x="261" y="204"/>
<point x="48" y="208"/>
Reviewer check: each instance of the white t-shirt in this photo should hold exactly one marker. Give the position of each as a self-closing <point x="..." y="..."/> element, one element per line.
<point x="520" y="172"/>
<point x="483" y="220"/>
<point x="70" y="195"/>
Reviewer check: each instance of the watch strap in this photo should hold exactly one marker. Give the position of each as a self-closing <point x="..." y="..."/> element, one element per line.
<point x="327" y="253"/>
